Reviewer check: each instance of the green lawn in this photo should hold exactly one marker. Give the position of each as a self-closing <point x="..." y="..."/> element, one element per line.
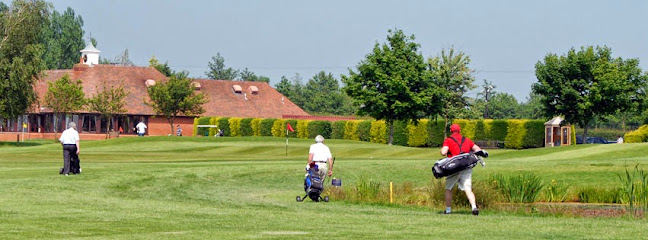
<point x="245" y="188"/>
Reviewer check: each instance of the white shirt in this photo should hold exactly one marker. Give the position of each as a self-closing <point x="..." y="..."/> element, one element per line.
<point x="69" y="136"/>
<point x="620" y="140"/>
<point x="141" y="127"/>
<point x="321" y="153"/>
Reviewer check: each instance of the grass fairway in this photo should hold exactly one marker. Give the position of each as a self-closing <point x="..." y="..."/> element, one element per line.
<point x="245" y="188"/>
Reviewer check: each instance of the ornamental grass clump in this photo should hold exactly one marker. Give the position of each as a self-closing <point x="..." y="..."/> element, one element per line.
<point x="635" y="188"/>
<point x="521" y="188"/>
<point x="556" y="192"/>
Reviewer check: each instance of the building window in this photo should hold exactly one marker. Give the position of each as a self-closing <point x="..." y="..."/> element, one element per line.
<point x="89" y="123"/>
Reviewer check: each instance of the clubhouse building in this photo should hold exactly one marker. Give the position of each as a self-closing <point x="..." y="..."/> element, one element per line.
<point x="225" y="98"/>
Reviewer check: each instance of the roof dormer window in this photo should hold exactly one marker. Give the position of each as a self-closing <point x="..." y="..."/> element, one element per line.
<point x="237" y="89"/>
<point x="149" y="82"/>
<point x="253" y="90"/>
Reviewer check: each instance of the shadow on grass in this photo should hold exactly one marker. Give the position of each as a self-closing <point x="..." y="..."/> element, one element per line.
<point x="21" y="144"/>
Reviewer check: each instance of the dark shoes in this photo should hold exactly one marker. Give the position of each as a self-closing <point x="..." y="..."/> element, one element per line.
<point x="475" y="211"/>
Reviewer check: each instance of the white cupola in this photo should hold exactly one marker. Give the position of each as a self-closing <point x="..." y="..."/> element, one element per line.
<point x="90" y="55"/>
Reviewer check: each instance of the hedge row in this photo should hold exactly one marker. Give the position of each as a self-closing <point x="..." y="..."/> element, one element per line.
<point x="514" y="133"/>
<point x="637" y="136"/>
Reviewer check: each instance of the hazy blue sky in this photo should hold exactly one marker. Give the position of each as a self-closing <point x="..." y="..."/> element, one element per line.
<point x="505" y="39"/>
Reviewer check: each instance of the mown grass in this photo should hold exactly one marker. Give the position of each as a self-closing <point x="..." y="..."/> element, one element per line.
<point x="245" y="188"/>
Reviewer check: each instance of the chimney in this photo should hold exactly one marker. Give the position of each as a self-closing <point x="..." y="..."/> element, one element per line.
<point x="90" y="55"/>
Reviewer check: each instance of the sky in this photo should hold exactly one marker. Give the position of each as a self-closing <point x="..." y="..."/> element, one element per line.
<point x="504" y="39"/>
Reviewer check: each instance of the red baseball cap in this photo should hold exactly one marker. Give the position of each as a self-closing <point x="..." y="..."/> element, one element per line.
<point x="455" y="128"/>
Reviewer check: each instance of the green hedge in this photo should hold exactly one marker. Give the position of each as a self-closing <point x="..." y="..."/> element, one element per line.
<point x="337" y="129"/>
<point x="516" y="134"/>
<point x="279" y="128"/>
<point x="202" y="121"/>
<point x="364" y="130"/>
<point x="293" y="124"/>
<point x="319" y="128"/>
<point x="609" y="134"/>
<point x="418" y="134"/>
<point x="400" y="133"/>
<point x="223" y="124"/>
<point x="534" y="137"/>
<point x="637" y="136"/>
<point x="265" y="127"/>
<point x="246" y="127"/>
<point x="378" y="132"/>
<point x="302" y="128"/>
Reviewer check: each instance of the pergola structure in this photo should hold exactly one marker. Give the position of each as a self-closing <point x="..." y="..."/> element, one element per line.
<point x="557" y="134"/>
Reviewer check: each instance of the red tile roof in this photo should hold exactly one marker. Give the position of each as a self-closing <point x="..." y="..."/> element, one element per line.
<point x="266" y="103"/>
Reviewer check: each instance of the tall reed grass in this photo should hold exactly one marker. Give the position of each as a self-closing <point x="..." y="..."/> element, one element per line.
<point x="521" y="188"/>
<point x="634" y="186"/>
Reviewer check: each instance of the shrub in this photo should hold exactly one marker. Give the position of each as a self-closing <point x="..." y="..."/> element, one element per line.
<point x="278" y="128"/>
<point x="637" y="136"/>
<point x="350" y="130"/>
<point x="364" y="130"/>
<point x="246" y="127"/>
<point x="599" y="195"/>
<point x="266" y="126"/>
<point x="573" y="135"/>
<point x="468" y="127"/>
<point x="255" y="124"/>
<point x="534" y="137"/>
<point x="400" y="133"/>
<point x="378" y="132"/>
<point x="556" y="192"/>
<point x="515" y="134"/>
<point x="522" y="188"/>
<point x="607" y="133"/>
<point x="213" y="121"/>
<point x="202" y="131"/>
<point x="302" y="128"/>
<point x="293" y="124"/>
<point x="418" y="133"/>
<point x="235" y="126"/>
<point x="498" y="130"/>
<point x="436" y="131"/>
<point x="319" y="128"/>
<point x="480" y="130"/>
<point x="223" y="124"/>
<point x="337" y="129"/>
<point x="195" y="128"/>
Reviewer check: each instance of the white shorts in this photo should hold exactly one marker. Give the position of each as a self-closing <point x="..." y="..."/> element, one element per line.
<point x="463" y="179"/>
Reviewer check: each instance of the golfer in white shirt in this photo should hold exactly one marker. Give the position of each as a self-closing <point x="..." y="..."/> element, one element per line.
<point x="321" y="155"/>
<point x="70" y="141"/>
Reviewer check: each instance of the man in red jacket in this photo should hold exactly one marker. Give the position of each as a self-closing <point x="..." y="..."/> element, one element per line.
<point x="452" y="146"/>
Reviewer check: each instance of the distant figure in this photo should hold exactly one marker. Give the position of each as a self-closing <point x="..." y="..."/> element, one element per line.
<point x="321" y="155"/>
<point x="179" y="131"/>
<point x="620" y="139"/>
<point x="70" y="141"/>
<point x="141" y="128"/>
<point x="121" y="130"/>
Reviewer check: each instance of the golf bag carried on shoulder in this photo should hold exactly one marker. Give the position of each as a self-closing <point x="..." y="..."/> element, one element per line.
<point x="448" y="166"/>
<point x="313" y="185"/>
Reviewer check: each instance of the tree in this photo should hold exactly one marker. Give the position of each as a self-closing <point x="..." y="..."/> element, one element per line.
<point x="218" y="71"/>
<point x="488" y="91"/>
<point x="247" y="75"/>
<point x="123" y="59"/>
<point x="503" y="106"/>
<point x="162" y="68"/>
<point x="64" y="96"/>
<point x="325" y="96"/>
<point x="532" y="108"/>
<point x="110" y="102"/>
<point x="586" y="84"/>
<point x="175" y="97"/>
<point x="63" y="39"/>
<point x="21" y="54"/>
<point x="454" y="76"/>
<point x="391" y="82"/>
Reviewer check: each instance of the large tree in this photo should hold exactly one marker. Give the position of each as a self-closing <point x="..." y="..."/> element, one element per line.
<point x="503" y="106"/>
<point x="589" y="83"/>
<point x="63" y="39"/>
<point x="175" y="97"/>
<point x="453" y="75"/>
<point x="64" y="96"/>
<point x="218" y="71"/>
<point x="20" y="54"/>
<point x="110" y="102"/>
<point x="248" y="75"/>
<point x="162" y="68"/>
<point x="324" y="96"/>
<point x="391" y="82"/>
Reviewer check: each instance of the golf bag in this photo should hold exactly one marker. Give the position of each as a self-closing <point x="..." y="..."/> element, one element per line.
<point x="448" y="166"/>
<point x="313" y="185"/>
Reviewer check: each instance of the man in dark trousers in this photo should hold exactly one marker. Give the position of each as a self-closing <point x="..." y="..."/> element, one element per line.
<point x="452" y="146"/>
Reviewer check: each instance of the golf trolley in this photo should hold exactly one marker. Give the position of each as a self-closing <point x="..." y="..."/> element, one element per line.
<point x="313" y="185"/>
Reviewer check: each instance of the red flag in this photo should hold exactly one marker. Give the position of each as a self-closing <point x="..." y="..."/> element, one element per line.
<point x="289" y="127"/>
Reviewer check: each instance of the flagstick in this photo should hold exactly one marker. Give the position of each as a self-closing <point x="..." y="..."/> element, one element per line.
<point x="286" y="142"/>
